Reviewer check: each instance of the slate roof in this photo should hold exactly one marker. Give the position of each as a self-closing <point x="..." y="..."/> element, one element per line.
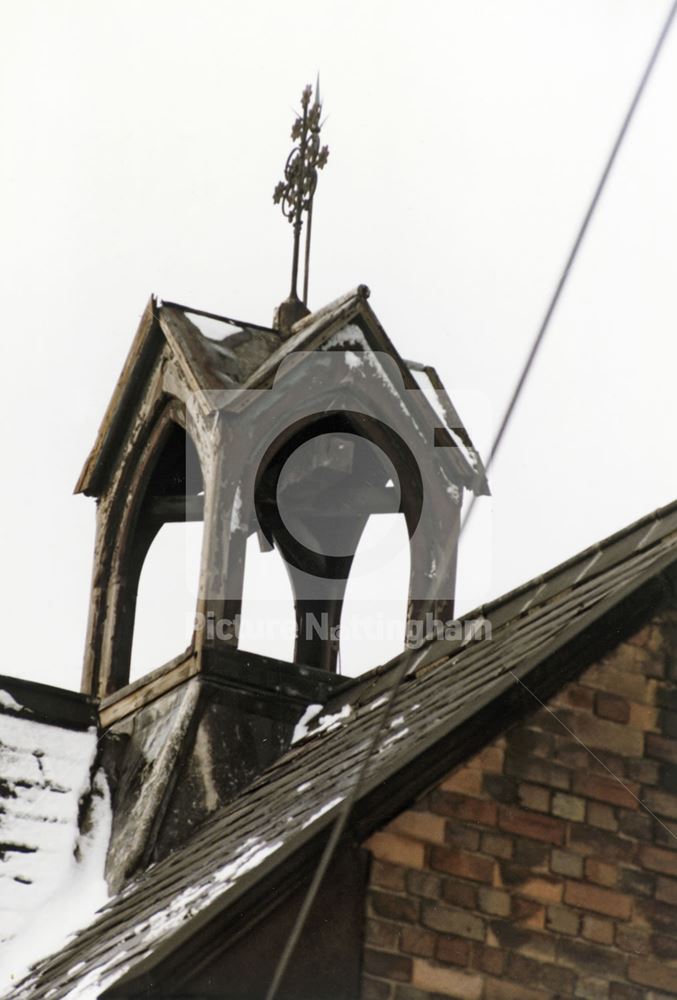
<point x="440" y="717"/>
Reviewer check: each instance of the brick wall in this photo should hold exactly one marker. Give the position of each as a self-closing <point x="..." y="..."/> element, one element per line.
<point x="531" y="873"/>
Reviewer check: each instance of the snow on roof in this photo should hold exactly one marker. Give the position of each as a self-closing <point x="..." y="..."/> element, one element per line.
<point x="299" y="794"/>
<point x="51" y="874"/>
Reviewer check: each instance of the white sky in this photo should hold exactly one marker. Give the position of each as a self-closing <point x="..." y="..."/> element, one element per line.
<point x="141" y="144"/>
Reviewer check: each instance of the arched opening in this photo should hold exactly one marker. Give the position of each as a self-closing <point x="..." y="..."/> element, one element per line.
<point x="321" y="483"/>
<point x="161" y="565"/>
<point x="374" y="616"/>
<point x="267" y="620"/>
<point x="166" y="597"/>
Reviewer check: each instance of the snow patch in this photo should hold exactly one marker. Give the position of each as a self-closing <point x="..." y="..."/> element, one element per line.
<point x="321" y="811"/>
<point x="163" y="922"/>
<point x="301" y="727"/>
<point x="6" y="701"/>
<point x="328" y="722"/>
<point x="81" y="891"/>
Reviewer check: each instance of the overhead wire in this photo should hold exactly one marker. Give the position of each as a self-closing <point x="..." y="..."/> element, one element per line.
<point x="406" y="665"/>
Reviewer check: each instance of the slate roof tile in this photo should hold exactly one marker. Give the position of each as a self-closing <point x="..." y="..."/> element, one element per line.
<point x="300" y="793"/>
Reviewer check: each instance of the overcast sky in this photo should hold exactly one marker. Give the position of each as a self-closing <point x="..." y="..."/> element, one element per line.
<point x="141" y="144"/>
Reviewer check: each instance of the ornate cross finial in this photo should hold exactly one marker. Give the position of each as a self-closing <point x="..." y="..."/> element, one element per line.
<point x="295" y="193"/>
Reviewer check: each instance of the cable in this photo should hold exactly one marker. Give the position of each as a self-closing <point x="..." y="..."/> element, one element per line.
<point x="405" y="665"/>
<point x="573" y="253"/>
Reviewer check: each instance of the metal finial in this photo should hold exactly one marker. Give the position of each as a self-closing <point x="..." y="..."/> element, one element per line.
<point x="295" y="193"/>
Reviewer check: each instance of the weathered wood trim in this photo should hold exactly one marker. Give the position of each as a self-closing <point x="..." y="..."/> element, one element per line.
<point x="187" y="343"/>
<point x="128" y="385"/>
<point x="148" y="688"/>
<point x="114" y="589"/>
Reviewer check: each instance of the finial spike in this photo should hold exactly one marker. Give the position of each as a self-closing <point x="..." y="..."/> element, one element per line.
<point x="296" y="192"/>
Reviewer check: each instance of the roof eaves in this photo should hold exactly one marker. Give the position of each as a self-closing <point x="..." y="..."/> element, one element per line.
<point x="365" y="820"/>
<point x="128" y="384"/>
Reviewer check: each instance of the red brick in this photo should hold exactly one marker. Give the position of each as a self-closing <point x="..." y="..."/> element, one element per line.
<point x="603" y="735"/>
<point x="596" y="960"/>
<point x="601" y="815"/>
<point x="662" y="803"/>
<point x="632" y="940"/>
<point x="531" y="854"/>
<point x="461" y="835"/>
<point x="458" y="923"/>
<point x="530" y="743"/>
<point x="571" y="754"/>
<point x="528" y="913"/>
<point x="471" y="810"/>
<point x="643" y="717"/>
<point x="666" y="890"/>
<point x="490" y="760"/>
<point x="496" y="989"/>
<point x="540" y="974"/>
<point x="459" y="893"/>
<point x="491" y="960"/>
<point x="398" y="850"/>
<point x="563" y="863"/>
<point x="382" y="934"/>
<point x="644" y="772"/>
<point x="528" y="824"/>
<point x="534" y="797"/>
<point x="575" y="696"/>
<point x="420" y="826"/>
<point x="541" y="888"/>
<point x="660" y="977"/>
<point x="417" y="941"/>
<point x="388" y="876"/>
<point x="494" y="901"/>
<point x="375" y="989"/>
<point x="384" y="965"/>
<point x="445" y="981"/>
<point x="661" y="748"/>
<point x="587" y="840"/>
<point x="467" y="780"/>
<point x="423" y="884"/>
<point x="523" y="940"/>
<point x="623" y="991"/>
<point x="658" y="860"/>
<point x="454" y="950"/>
<point x="610" y="706"/>
<point x="597" y="929"/>
<point x="497" y="845"/>
<point x="461" y="863"/>
<point x="593" y="786"/>
<point x="637" y="883"/>
<point x="568" y="807"/>
<point x="664" y="946"/>
<point x="385" y="904"/>
<point x="616" y="678"/>
<point x="606" y="901"/>
<point x="562" y="920"/>
<point x="601" y="872"/>
<point x="650" y="638"/>
<point x="538" y="771"/>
